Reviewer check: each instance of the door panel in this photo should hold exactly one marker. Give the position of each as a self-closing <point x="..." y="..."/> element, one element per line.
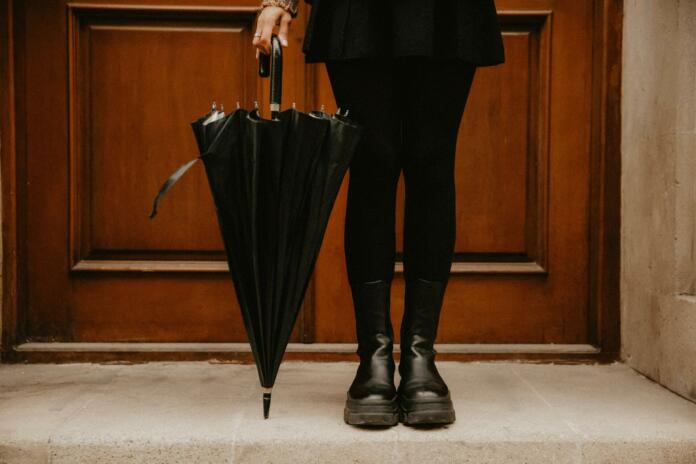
<point x="109" y="89"/>
<point x="130" y="77"/>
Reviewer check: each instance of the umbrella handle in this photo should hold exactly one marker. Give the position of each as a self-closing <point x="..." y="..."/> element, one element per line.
<point x="272" y="65"/>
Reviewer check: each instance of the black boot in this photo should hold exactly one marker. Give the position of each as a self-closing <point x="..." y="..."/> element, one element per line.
<point x="372" y="395"/>
<point x="423" y="396"/>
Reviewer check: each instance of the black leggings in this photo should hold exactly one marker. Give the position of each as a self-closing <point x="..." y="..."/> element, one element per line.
<point x="411" y="109"/>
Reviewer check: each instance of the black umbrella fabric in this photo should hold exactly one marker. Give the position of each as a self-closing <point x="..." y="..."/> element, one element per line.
<point x="274" y="183"/>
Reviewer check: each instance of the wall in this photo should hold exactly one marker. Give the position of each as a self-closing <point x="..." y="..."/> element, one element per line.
<point x="658" y="288"/>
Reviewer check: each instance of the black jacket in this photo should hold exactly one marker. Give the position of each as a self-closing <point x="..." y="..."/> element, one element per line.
<point x="464" y="29"/>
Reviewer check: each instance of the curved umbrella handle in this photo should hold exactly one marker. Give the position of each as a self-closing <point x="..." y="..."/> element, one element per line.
<point x="272" y="65"/>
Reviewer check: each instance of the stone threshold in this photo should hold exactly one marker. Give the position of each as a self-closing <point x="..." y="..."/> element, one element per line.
<point x="299" y="348"/>
<point x="202" y="412"/>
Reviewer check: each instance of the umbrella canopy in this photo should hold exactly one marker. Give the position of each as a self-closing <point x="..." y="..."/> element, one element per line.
<point x="274" y="183"/>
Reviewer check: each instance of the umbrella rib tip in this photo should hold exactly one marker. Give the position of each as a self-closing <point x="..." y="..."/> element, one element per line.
<point x="266" y="404"/>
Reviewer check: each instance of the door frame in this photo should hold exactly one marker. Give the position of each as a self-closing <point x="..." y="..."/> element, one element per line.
<point x="604" y="223"/>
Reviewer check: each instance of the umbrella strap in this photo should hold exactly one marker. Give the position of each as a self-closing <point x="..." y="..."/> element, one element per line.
<point x="169" y="183"/>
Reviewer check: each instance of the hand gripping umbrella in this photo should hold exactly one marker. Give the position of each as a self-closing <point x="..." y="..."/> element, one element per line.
<point x="274" y="183"/>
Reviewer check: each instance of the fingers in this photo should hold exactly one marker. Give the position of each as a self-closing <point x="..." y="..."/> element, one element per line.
<point x="258" y="35"/>
<point x="285" y="21"/>
<point x="262" y="37"/>
<point x="267" y="20"/>
<point x="266" y="34"/>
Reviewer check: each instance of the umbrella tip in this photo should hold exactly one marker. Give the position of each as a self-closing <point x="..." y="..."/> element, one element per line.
<point x="266" y="403"/>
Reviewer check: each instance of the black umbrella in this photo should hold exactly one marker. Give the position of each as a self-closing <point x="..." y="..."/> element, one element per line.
<point x="274" y="183"/>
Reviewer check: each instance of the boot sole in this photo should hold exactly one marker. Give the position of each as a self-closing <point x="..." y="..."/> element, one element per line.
<point x="440" y="412"/>
<point x="371" y="413"/>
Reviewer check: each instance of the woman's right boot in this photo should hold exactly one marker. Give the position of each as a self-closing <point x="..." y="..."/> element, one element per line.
<point x="372" y="396"/>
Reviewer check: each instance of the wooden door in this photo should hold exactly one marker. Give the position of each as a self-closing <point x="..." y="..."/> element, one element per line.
<point x="104" y="91"/>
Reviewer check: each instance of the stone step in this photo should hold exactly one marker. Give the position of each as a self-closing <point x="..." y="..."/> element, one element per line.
<point x="211" y="413"/>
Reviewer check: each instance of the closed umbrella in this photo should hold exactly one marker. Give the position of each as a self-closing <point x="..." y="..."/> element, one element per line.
<point x="274" y="183"/>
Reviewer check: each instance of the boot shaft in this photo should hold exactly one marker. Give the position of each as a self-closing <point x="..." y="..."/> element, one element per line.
<point x="371" y="302"/>
<point x="419" y="375"/>
<point x="421" y="314"/>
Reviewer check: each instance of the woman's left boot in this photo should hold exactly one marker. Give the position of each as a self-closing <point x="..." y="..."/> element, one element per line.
<point x="424" y="398"/>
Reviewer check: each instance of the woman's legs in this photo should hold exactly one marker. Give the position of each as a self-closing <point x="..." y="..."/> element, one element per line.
<point x="438" y="91"/>
<point x="411" y="110"/>
<point x="411" y="115"/>
<point x="367" y="89"/>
